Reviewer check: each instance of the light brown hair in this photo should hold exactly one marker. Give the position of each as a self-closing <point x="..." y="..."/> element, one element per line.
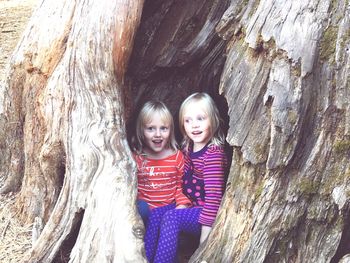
<point x="145" y="116"/>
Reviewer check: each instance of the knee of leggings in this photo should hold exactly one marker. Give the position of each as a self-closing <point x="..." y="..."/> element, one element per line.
<point x="155" y="215"/>
<point x="170" y="217"/>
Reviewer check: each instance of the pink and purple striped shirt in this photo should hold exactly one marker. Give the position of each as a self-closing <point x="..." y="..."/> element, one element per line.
<point x="204" y="179"/>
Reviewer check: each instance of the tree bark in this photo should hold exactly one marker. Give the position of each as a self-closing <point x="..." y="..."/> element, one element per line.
<point x="63" y="108"/>
<point x="287" y="87"/>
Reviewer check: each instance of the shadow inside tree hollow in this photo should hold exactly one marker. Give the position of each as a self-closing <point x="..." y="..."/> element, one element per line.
<point x="63" y="255"/>
<point x="187" y="246"/>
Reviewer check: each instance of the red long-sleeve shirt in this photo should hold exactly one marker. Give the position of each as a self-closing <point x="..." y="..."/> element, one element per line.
<point x="160" y="180"/>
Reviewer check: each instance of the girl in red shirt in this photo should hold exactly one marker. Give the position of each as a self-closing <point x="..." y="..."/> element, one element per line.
<point x="159" y="163"/>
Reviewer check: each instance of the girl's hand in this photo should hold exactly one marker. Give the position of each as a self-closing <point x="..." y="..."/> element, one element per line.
<point x="204" y="233"/>
<point x="181" y="206"/>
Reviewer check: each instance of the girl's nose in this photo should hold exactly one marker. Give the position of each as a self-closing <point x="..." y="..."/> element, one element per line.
<point x="195" y="124"/>
<point x="157" y="133"/>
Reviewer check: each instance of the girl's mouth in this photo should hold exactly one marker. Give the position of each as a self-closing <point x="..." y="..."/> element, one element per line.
<point x="157" y="142"/>
<point x="196" y="132"/>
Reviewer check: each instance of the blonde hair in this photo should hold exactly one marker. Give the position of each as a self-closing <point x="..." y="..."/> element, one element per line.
<point x="208" y="105"/>
<point x="145" y="116"/>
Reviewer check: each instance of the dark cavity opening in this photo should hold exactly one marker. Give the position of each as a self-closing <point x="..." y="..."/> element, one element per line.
<point x="166" y="65"/>
<point x="63" y="254"/>
<point x="344" y="244"/>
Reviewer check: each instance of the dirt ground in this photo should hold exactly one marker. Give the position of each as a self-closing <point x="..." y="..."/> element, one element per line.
<point x="15" y="238"/>
<point x="14" y="15"/>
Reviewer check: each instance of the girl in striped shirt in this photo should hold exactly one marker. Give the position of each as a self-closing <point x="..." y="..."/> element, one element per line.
<point x="203" y="180"/>
<point x="159" y="162"/>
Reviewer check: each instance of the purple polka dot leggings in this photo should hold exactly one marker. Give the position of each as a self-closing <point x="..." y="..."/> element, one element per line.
<point x="163" y="228"/>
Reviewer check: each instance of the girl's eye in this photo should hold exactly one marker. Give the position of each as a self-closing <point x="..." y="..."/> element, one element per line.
<point x="187" y="120"/>
<point x="164" y="128"/>
<point x="150" y="128"/>
<point x="201" y="118"/>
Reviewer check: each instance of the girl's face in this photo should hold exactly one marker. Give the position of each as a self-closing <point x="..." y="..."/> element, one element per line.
<point x="156" y="135"/>
<point x="197" y="126"/>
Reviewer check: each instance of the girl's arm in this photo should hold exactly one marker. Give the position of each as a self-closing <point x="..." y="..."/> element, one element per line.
<point x="181" y="200"/>
<point x="213" y="175"/>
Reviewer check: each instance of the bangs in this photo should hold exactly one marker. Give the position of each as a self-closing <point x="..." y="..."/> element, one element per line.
<point x="200" y="104"/>
<point x="164" y="116"/>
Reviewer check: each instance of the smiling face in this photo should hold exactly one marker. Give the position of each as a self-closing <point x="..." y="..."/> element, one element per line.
<point x="156" y="135"/>
<point x="196" y="123"/>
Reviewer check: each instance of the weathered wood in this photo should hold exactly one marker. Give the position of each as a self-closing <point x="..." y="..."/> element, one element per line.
<point x="64" y="102"/>
<point x="177" y="51"/>
<point x="345" y="259"/>
<point x="289" y="129"/>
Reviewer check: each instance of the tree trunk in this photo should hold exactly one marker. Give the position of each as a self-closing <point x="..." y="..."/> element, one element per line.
<point x="64" y="121"/>
<point x="279" y="72"/>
